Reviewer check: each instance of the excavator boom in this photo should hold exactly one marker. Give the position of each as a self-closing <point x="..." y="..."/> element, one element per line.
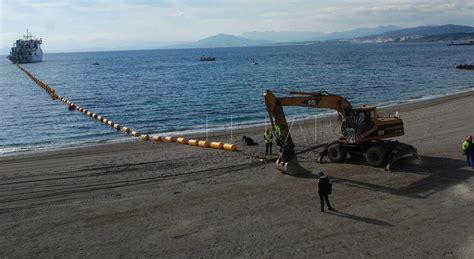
<point x="313" y="100"/>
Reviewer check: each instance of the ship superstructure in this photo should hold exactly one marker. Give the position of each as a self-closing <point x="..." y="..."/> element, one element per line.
<point x="26" y="50"/>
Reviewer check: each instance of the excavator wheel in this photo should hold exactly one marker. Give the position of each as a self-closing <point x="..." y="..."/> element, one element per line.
<point x="337" y="153"/>
<point x="376" y="156"/>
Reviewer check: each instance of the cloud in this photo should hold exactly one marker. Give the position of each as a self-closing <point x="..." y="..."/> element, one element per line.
<point x="171" y="20"/>
<point x="402" y="13"/>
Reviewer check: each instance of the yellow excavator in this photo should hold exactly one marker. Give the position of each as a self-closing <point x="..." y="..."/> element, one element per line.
<point x="363" y="131"/>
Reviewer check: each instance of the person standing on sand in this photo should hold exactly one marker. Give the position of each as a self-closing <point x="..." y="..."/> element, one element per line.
<point x="268" y="137"/>
<point x="277" y="131"/>
<point x="468" y="149"/>
<point x="324" y="189"/>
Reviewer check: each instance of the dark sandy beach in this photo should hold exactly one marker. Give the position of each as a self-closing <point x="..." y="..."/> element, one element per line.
<point x="146" y="199"/>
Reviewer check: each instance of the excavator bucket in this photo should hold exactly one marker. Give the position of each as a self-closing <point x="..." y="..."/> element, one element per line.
<point x="291" y="167"/>
<point x="400" y="150"/>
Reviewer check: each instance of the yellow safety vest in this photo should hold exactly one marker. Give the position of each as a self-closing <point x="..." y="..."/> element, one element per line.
<point x="465" y="145"/>
<point x="268" y="137"/>
<point x="277" y="131"/>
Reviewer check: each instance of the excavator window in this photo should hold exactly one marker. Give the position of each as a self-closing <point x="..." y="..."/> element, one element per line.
<point x="369" y="117"/>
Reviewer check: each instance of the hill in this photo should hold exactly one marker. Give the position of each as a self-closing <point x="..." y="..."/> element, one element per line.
<point x="447" y="32"/>
<point x="292" y="36"/>
<point x="222" y="41"/>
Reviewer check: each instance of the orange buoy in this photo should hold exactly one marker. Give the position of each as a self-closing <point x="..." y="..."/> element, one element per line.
<point x="126" y="129"/>
<point x="181" y="140"/>
<point x="157" y="138"/>
<point x="169" y="139"/>
<point x="193" y="142"/>
<point x="203" y="143"/>
<point x="217" y="145"/>
<point x="104" y="120"/>
<point x="230" y="147"/>
<point x="136" y="134"/>
<point x="145" y="137"/>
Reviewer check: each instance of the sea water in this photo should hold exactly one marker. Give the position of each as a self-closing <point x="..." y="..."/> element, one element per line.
<point x="171" y="91"/>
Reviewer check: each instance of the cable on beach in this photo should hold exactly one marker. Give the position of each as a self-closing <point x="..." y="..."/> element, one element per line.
<point x="145" y="137"/>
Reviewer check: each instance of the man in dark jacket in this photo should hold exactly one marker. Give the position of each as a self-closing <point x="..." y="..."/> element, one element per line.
<point x="324" y="189"/>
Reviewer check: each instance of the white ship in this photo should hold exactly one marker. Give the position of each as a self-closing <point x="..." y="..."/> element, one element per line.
<point x="26" y="50"/>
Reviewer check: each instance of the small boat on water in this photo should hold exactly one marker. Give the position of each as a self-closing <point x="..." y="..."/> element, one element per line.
<point x="204" y="58"/>
<point x="465" y="66"/>
<point x="95" y="63"/>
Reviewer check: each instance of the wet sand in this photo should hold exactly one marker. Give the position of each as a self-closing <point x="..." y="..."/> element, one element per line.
<point x="142" y="199"/>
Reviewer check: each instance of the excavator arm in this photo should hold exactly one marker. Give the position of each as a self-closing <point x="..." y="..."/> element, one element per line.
<point x="304" y="99"/>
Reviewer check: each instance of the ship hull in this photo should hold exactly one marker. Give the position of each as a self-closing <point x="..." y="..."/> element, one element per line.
<point x="27" y="59"/>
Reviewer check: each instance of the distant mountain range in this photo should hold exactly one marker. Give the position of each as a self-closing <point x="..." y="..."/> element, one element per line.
<point x="257" y="38"/>
<point x="289" y="36"/>
<point x="449" y="32"/>
<point x="442" y="33"/>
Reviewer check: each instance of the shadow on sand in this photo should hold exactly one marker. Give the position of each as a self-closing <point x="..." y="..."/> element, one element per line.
<point x="358" y="218"/>
<point x="440" y="173"/>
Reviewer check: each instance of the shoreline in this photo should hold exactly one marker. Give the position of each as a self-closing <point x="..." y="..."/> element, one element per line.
<point x="223" y="131"/>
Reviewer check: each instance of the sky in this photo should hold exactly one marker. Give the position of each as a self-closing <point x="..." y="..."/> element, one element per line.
<point x="187" y="20"/>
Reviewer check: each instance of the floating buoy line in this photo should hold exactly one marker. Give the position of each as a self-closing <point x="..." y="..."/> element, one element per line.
<point x="118" y="127"/>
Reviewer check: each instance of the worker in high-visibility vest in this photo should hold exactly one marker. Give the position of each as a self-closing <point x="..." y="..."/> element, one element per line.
<point x="268" y="137"/>
<point x="278" y="134"/>
<point x="468" y="149"/>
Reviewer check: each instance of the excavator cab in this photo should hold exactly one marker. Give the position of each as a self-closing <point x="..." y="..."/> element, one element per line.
<point x="356" y="122"/>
